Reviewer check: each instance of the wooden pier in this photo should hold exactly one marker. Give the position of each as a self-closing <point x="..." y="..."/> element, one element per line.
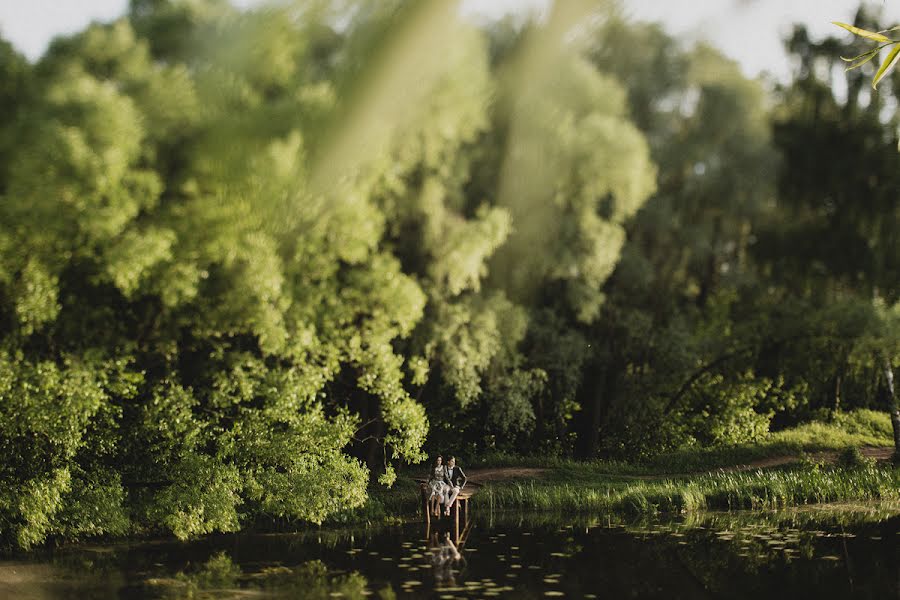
<point x="460" y="505"/>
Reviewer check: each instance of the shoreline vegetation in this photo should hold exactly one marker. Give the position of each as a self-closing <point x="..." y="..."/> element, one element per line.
<point x="817" y="464"/>
<point x="813" y="463"/>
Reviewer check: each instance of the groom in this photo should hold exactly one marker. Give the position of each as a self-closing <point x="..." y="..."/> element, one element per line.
<point x="456" y="479"/>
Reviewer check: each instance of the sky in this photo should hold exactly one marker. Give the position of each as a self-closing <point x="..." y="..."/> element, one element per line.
<point x="748" y="31"/>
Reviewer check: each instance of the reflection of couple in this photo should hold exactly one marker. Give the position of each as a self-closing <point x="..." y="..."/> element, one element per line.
<point x="443" y="555"/>
<point x="445" y="482"/>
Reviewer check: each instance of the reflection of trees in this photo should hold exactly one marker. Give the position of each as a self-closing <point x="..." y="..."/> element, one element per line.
<point x="219" y="577"/>
<point x="745" y="554"/>
<point x="717" y="554"/>
<point x="738" y="554"/>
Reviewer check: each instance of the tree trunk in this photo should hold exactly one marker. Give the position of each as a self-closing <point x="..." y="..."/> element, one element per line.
<point x="597" y="392"/>
<point x="838" y="379"/>
<point x="589" y="398"/>
<point x="708" y="280"/>
<point x="539" y="432"/>
<point x="374" y="451"/>
<point x="892" y="405"/>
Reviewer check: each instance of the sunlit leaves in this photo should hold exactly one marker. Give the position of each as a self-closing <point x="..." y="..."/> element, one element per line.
<point x="37" y="503"/>
<point x="861" y="59"/>
<point x="35" y="292"/>
<point x="41" y="403"/>
<point x="289" y="463"/>
<point x="167" y="198"/>
<point x="77" y="164"/>
<point x="45" y="417"/>
<point x="203" y="497"/>
<point x="871" y="35"/>
<point x="227" y="236"/>
<point x="94" y="504"/>
<point x="261" y="46"/>
<point x="574" y="171"/>
<point x="884" y="41"/>
<point x="888" y="64"/>
<point x="131" y="256"/>
<point x="465" y="247"/>
<point x="166" y="427"/>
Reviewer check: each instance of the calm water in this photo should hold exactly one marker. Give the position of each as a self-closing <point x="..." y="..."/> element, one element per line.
<point x="809" y="554"/>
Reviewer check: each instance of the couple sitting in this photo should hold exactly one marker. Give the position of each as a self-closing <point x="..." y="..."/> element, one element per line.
<point x="445" y="482"/>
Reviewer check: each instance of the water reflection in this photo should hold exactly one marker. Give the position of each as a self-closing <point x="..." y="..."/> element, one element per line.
<point x="444" y="556"/>
<point x="810" y="553"/>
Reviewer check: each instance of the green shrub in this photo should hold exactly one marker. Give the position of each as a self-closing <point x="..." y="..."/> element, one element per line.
<point x="864" y="422"/>
<point x="851" y="458"/>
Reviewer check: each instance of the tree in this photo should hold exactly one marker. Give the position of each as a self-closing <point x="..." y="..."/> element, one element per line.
<point x="184" y="299"/>
<point x="843" y="239"/>
<point x="674" y="334"/>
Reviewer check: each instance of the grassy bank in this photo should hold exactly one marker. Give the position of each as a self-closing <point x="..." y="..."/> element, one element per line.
<point x="859" y="428"/>
<point x="687" y="480"/>
<point x="586" y="489"/>
<point x="722" y="491"/>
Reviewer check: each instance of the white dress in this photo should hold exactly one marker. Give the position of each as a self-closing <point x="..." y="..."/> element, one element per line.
<point x="436" y="483"/>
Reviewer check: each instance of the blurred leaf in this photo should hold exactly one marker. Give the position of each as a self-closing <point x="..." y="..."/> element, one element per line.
<point x="863" y="58"/>
<point x="872" y="35"/>
<point x="887" y="65"/>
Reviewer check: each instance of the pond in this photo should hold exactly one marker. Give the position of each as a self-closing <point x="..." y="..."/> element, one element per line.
<point x="798" y="554"/>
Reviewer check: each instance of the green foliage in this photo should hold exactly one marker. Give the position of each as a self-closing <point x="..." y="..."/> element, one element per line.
<point x="852" y="458"/>
<point x="253" y="261"/>
<point x="512" y="408"/>
<point x="864" y="423"/>
<point x="175" y="226"/>
<point x="217" y="572"/>
<point x="202" y="498"/>
<point x="36" y="504"/>
<point x="812" y="442"/>
<point x="94" y="505"/>
<point x="883" y="41"/>
<point x="858" y="428"/>
<point x="730" y="412"/>
<point x="35" y="297"/>
<point x="45" y="420"/>
<point x="576" y="170"/>
<point x="674" y="348"/>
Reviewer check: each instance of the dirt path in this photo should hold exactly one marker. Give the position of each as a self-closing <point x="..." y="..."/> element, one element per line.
<point x="501" y="473"/>
<point x="479" y="476"/>
<point x="828" y="456"/>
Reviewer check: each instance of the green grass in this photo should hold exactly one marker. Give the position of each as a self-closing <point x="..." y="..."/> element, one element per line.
<point x="682" y="481"/>
<point x="860" y="427"/>
<point x="857" y="428"/>
<point x="736" y="490"/>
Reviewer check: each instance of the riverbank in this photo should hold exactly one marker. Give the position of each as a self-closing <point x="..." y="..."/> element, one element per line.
<point x="845" y="460"/>
<point x="770" y="488"/>
<point x="588" y="488"/>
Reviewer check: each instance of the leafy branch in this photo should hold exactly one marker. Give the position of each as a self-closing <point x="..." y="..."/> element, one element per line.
<point x="883" y="42"/>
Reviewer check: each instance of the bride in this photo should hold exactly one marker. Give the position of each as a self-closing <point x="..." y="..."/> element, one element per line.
<point x="437" y="485"/>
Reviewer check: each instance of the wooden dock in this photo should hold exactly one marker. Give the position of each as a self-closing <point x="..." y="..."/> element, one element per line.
<point x="460" y="506"/>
